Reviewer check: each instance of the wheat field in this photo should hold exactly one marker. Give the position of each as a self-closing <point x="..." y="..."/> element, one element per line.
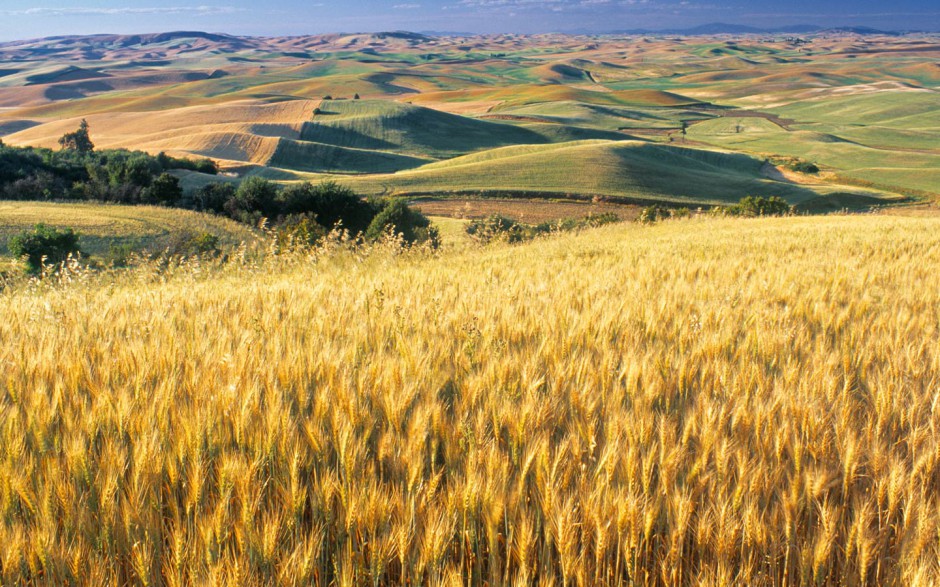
<point x="700" y="402"/>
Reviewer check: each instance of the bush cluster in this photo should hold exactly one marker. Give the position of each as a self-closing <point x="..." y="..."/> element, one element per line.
<point x="295" y="209"/>
<point x="496" y="228"/>
<point x="760" y="206"/>
<point x="127" y="177"/>
<point x="78" y="172"/>
<point x="746" y="207"/>
<point x="651" y="214"/>
<point x="44" y="245"/>
<point x="804" y="167"/>
<point x="501" y="228"/>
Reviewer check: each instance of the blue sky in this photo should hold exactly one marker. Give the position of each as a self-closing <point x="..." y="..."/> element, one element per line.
<point x="21" y="19"/>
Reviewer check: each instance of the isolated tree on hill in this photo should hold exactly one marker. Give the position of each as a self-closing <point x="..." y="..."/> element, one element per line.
<point x="78" y="140"/>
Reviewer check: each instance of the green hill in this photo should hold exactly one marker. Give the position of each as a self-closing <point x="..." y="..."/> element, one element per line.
<point x="897" y="109"/>
<point x="413" y="130"/>
<point x="631" y="169"/>
<point x="328" y="158"/>
<point x="603" y="116"/>
<point x="901" y="169"/>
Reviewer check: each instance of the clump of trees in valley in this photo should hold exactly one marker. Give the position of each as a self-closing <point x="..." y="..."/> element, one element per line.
<point x="497" y="228"/>
<point x="760" y="206"/>
<point x="79" y="172"/>
<point x="306" y="212"/>
<point x="749" y="206"/>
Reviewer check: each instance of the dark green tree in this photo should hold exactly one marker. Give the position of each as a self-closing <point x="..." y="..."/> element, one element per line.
<point x="330" y="203"/>
<point x="254" y="196"/>
<point x="212" y="197"/>
<point x="165" y="189"/>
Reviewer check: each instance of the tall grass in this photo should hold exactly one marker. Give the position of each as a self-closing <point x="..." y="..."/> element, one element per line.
<point x="703" y="402"/>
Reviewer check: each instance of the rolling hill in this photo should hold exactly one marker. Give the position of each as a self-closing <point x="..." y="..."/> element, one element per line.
<point x="633" y="170"/>
<point x="860" y="106"/>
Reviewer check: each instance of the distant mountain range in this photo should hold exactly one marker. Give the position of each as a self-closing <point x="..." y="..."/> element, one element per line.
<point x="721" y="28"/>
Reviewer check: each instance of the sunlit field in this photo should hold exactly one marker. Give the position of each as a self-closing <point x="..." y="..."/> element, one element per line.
<point x="700" y="402"/>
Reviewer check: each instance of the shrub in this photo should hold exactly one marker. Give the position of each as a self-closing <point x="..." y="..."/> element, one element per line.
<point x="570" y="224"/>
<point x="595" y="220"/>
<point x="44" y="245"/>
<point x="78" y="172"/>
<point x="330" y="202"/>
<point x="119" y="255"/>
<point x="299" y="231"/>
<point x="395" y="215"/>
<point x="204" y="243"/>
<point x="760" y="206"/>
<point x="500" y="228"/>
<point x="40" y="186"/>
<point x="124" y="167"/>
<point x="804" y="167"/>
<point x="651" y="214"/>
<point x="165" y="189"/>
<point x="207" y="166"/>
<point x="255" y="194"/>
<point x="494" y="228"/>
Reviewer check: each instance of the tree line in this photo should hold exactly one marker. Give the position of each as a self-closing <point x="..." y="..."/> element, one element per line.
<point x="79" y="172"/>
<point x="300" y="213"/>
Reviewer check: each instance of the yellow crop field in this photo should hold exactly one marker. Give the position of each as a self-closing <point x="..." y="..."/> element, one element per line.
<point x="700" y="402"/>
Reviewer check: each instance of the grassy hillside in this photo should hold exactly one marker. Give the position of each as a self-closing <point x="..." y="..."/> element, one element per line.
<point x="391" y="126"/>
<point x="901" y="168"/>
<point x="103" y="226"/>
<point x="319" y="158"/>
<point x="701" y="402"/>
<point x="601" y="116"/>
<point x="632" y="169"/>
<point x="902" y="109"/>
